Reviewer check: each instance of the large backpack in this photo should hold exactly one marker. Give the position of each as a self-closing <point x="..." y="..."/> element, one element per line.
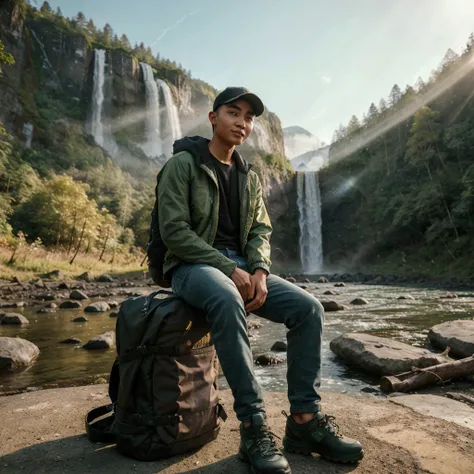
<point x="163" y="385"/>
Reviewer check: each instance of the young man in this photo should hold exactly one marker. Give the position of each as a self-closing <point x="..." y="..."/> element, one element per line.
<point x="214" y="222"/>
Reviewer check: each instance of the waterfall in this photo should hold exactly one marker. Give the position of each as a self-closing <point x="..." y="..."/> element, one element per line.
<point x="96" y="127"/>
<point x="153" y="143"/>
<point x="28" y="134"/>
<point x="172" y="129"/>
<point x="309" y="207"/>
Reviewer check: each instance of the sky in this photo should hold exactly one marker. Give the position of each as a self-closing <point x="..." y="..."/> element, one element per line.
<point x="314" y="63"/>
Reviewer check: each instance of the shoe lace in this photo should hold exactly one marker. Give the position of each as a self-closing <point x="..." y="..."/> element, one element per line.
<point x="329" y="422"/>
<point x="266" y="444"/>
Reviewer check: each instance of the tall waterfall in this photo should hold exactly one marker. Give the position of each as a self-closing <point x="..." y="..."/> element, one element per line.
<point x="153" y="143"/>
<point x="172" y="129"/>
<point x="309" y="207"/>
<point x="96" y="127"/>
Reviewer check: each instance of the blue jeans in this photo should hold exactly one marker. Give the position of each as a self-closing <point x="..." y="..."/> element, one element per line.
<point x="207" y="288"/>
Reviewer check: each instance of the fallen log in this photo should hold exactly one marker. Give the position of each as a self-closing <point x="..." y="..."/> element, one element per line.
<point x="418" y="378"/>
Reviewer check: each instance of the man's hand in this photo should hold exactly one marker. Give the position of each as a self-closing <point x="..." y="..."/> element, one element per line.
<point x="258" y="290"/>
<point x="243" y="282"/>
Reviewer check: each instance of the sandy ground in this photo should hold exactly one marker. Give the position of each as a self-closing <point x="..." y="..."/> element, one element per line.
<point x="43" y="431"/>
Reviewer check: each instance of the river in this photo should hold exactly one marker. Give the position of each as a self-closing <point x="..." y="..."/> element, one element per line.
<point x="405" y="320"/>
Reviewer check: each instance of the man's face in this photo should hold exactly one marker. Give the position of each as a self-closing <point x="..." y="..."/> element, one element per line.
<point x="233" y="123"/>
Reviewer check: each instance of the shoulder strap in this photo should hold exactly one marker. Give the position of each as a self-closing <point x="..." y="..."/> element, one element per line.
<point x="101" y="430"/>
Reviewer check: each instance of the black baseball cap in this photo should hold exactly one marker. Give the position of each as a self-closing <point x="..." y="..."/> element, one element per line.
<point x="231" y="94"/>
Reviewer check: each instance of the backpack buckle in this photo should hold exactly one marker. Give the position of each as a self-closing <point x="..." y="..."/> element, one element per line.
<point x="143" y="350"/>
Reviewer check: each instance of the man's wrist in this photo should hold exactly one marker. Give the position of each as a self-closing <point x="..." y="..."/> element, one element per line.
<point x="260" y="271"/>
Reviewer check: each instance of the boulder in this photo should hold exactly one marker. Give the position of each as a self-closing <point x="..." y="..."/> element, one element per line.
<point x="40" y="283"/>
<point x="449" y="296"/>
<point x="17" y="304"/>
<point x="70" y="305"/>
<point x="306" y="280"/>
<point x="339" y="285"/>
<point x="13" y="318"/>
<point x="46" y="310"/>
<point x="254" y="325"/>
<point x="458" y="335"/>
<point x="113" y="314"/>
<point x="383" y="356"/>
<point x="331" y="292"/>
<point x="322" y="280"/>
<point x="80" y="319"/>
<point x="16" y="353"/>
<point x="332" y="306"/>
<point x="105" y="279"/>
<point x="71" y="340"/>
<point x="63" y="286"/>
<point x="85" y="277"/>
<point x="99" y="307"/>
<point x="359" y="301"/>
<point x="113" y="304"/>
<point x="48" y="297"/>
<point x="78" y="295"/>
<point x="291" y="279"/>
<point x="102" y="341"/>
<point x="53" y="275"/>
<point x="268" y="359"/>
<point x="279" y="346"/>
<point x="405" y="297"/>
<point x="51" y="305"/>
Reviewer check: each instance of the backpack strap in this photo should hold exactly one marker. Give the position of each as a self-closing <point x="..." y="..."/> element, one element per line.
<point x="101" y="430"/>
<point x="149" y="350"/>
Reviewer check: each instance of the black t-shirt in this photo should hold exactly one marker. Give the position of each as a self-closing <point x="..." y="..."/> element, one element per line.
<point x="228" y="228"/>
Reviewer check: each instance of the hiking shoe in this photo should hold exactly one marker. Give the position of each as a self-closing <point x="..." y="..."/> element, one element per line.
<point x="321" y="435"/>
<point x="258" y="448"/>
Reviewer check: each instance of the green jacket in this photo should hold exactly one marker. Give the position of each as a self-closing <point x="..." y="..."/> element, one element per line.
<point x="188" y="213"/>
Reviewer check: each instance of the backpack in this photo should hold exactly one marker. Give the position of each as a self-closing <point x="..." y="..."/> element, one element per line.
<point x="156" y="248"/>
<point x="163" y="385"/>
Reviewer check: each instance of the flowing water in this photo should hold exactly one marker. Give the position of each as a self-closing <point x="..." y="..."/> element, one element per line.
<point x="172" y="127"/>
<point x="309" y="209"/>
<point x="153" y="144"/>
<point x="95" y="125"/>
<point x="404" y="320"/>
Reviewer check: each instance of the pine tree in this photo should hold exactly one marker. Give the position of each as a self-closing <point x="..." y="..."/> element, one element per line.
<point x="470" y="44"/>
<point x="382" y="105"/>
<point x="419" y="85"/>
<point x="353" y="125"/>
<point x="107" y="34"/>
<point x="449" y="59"/>
<point x="395" y="95"/>
<point x="81" y="20"/>
<point x="91" y="27"/>
<point x="59" y="13"/>
<point x="46" y="9"/>
<point x="158" y="58"/>
<point x="125" y="42"/>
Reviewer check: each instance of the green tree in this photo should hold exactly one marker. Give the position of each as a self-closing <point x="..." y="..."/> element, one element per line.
<point x="46" y="9"/>
<point x="81" y="20"/>
<point x="5" y="57"/>
<point x="125" y="43"/>
<point x="382" y="106"/>
<point x="353" y="125"/>
<point x="394" y="96"/>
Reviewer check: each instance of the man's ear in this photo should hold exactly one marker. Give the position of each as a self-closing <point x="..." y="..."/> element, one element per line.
<point x="213" y="118"/>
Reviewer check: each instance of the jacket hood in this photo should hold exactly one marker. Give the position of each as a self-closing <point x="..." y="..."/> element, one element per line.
<point x="198" y="147"/>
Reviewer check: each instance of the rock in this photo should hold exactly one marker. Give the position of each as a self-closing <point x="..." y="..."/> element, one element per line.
<point x="439" y="407"/>
<point x="71" y="340"/>
<point x="306" y="280"/>
<point x="68" y="304"/>
<point x="16" y="353"/>
<point x="78" y="295"/>
<point x="53" y="275"/>
<point x="40" y="284"/>
<point x="268" y="359"/>
<point x="331" y="292"/>
<point x="359" y="301"/>
<point x="13" y="318"/>
<point x="113" y="314"/>
<point x="283" y="275"/>
<point x="15" y="279"/>
<point x="378" y="279"/>
<point x="51" y="305"/>
<point x="382" y="356"/>
<point x="458" y="335"/>
<point x="113" y="304"/>
<point x="405" y="297"/>
<point x="291" y="279"/>
<point x="80" y="319"/>
<point x="449" y="296"/>
<point x="332" y="306"/>
<point x="105" y="279"/>
<point x="279" y="346"/>
<point x="339" y="285"/>
<point x="322" y="280"/>
<point x="48" y="297"/>
<point x="85" y="277"/>
<point x="303" y="287"/>
<point x="370" y="390"/>
<point x="102" y="341"/>
<point x="46" y="310"/>
<point x="19" y="304"/>
<point x="63" y="286"/>
<point x="254" y="325"/>
<point x="99" y="307"/>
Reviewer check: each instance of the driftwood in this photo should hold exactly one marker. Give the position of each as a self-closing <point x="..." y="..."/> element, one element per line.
<point x="419" y="378"/>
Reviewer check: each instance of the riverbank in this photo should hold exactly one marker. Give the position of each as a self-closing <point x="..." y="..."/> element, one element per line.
<point x="44" y="432"/>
